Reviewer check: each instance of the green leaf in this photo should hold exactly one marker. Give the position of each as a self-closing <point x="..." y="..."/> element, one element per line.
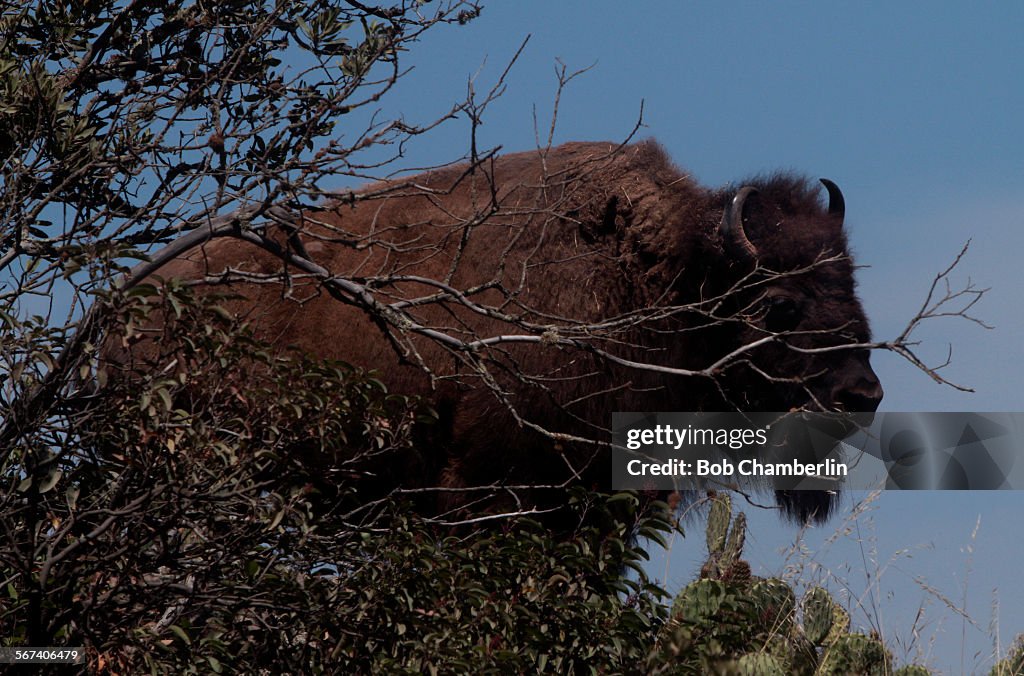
<point x="180" y="633"/>
<point x="71" y="495"/>
<point x="276" y="520"/>
<point x="165" y="397"/>
<point x="141" y="291"/>
<point x="51" y="480"/>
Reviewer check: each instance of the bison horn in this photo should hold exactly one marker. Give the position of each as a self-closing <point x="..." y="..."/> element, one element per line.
<point x="732" y="222"/>
<point x="836" y="203"/>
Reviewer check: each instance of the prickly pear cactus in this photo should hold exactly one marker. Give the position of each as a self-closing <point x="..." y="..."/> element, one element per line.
<point x="856" y="654"/>
<point x="912" y="670"/>
<point x="700" y="600"/>
<point x="718" y="523"/>
<point x="774" y="603"/>
<point x="840" y="625"/>
<point x="818" y="615"/>
<point x="730" y="622"/>
<point x="734" y="545"/>
<point x="725" y="538"/>
<point x="796" y="651"/>
<point x="759" y="664"/>
<point x="1013" y="663"/>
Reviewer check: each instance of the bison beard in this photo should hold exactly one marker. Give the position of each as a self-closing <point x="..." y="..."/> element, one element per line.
<point x="536" y="293"/>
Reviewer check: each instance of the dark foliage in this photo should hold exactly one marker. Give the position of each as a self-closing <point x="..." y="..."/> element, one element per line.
<point x="183" y="522"/>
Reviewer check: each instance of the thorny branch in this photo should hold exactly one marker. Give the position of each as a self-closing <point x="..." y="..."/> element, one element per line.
<point x="953" y="302"/>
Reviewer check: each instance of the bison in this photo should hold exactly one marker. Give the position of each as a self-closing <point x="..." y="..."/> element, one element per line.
<point x="526" y="297"/>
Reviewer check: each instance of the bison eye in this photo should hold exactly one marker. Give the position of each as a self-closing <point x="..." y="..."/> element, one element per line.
<point x="781" y="314"/>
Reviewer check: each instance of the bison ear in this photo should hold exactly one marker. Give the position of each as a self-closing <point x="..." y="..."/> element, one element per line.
<point x="836" y="203"/>
<point x="732" y="224"/>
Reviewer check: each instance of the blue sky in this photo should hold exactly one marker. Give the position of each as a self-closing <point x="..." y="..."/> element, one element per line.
<point x="915" y="110"/>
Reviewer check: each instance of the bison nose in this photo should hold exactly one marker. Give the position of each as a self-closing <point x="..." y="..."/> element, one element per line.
<point x="863" y="397"/>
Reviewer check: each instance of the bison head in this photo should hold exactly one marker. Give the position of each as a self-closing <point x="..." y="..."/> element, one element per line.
<point x="797" y="303"/>
<point x="798" y="306"/>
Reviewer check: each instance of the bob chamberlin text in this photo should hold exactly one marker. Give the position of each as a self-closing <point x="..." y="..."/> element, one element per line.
<point x="748" y="467"/>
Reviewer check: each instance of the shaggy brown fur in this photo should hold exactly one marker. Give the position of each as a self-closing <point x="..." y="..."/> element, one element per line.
<point x="584" y="234"/>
